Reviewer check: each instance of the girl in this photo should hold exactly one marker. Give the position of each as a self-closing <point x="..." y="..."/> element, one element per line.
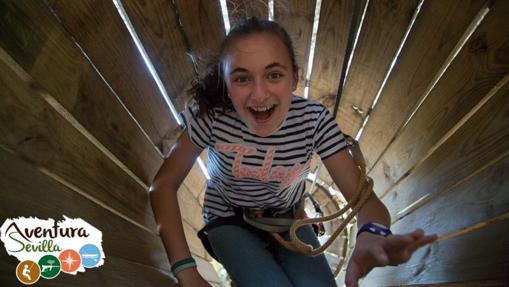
<point x="260" y="139"/>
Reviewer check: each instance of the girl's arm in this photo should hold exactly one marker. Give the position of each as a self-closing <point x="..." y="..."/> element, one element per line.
<point x="371" y="250"/>
<point x="346" y="174"/>
<point x="163" y="197"/>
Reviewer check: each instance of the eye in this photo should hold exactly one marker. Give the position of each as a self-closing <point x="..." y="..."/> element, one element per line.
<point x="240" y="79"/>
<point x="275" y="76"/>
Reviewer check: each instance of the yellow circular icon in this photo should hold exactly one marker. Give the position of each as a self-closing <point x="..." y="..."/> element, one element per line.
<point x="28" y="272"/>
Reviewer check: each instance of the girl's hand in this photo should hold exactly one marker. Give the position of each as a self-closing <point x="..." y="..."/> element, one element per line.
<point x="377" y="251"/>
<point x="191" y="278"/>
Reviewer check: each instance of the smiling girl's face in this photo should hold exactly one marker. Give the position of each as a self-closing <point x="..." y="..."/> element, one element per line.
<point x="260" y="80"/>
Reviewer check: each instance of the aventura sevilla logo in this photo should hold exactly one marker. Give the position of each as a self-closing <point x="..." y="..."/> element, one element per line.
<point x="45" y="248"/>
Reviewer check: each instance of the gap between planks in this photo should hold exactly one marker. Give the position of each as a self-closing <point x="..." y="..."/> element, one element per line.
<point x="454" y="52"/>
<point x="427" y="199"/>
<point x="80" y="192"/>
<point x="504" y="81"/>
<point x="112" y="91"/>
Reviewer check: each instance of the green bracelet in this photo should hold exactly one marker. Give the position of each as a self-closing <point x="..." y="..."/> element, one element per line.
<point x="182" y="264"/>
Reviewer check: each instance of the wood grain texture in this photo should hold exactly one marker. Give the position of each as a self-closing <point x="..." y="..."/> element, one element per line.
<point x="481" y="64"/>
<point x="475" y="200"/>
<point x="203" y="25"/>
<point x="435" y="33"/>
<point x="99" y="30"/>
<point x="33" y="129"/>
<point x="331" y="40"/>
<point x="195" y="180"/>
<point x="478" y="255"/>
<point x="296" y="16"/>
<point x="155" y="23"/>
<point x="195" y="245"/>
<point x="190" y="208"/>
<point x="39" y="44"/>
<point x="482" y="139"/>
<point x="43" y="197"/>
<point x="383" y="29"/>
<point x="240" y="10"/>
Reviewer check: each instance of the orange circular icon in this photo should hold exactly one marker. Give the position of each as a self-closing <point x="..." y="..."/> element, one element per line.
<point x="70" y="259"/>
<point x="28" y="272"/>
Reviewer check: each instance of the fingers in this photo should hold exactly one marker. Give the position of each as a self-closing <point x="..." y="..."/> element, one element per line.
<point x="353" y="274"/>
<point x="423" y="241"/>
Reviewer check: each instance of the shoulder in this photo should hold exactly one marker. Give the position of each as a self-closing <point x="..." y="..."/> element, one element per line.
<point x="306" y="108"/>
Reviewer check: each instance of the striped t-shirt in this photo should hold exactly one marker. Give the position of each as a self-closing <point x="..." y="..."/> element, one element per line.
<point x="247" y="170"/>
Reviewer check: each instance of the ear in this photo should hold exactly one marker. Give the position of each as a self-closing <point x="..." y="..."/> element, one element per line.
<point x="295" y="80"/>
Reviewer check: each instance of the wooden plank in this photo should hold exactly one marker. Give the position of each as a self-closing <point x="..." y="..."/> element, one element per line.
<point x="43" y="197"/>
<point x="116" y="272"/>
<point x="296" y="16"/>
<point x="239" y="10"/>
<point x="475" y="200"/>
<point x="190" y="208"/>
<point x="474" y="72"/>
<point x="478" y="255"/>
<point x="31" y="127"/>
<point x="99" y="30"/>
<point x="436" y="31"/>
<point x="195" y="245"/>
<point x="155" y="23"/>
<point x="383" y="29"/>
<point x="331" y="40"/>
<point x="195" y="181"/>
<point x="203" y="25"/>
<point x="38" y="43"/>
<point x="484" y="138"/>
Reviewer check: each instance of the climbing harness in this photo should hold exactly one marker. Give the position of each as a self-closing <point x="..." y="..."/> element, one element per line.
<point x="276" y="225"/>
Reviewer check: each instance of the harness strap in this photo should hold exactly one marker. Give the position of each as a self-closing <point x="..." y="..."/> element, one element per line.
<point x="275" y="225"/>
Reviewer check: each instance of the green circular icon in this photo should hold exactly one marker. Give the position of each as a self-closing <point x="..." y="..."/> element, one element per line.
<point x="50" y="266"/>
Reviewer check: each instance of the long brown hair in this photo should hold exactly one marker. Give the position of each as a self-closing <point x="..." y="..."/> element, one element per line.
<point x="210" y="90"/>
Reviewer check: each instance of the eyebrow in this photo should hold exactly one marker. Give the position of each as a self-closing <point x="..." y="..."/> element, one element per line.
<point x="275" y="64"/>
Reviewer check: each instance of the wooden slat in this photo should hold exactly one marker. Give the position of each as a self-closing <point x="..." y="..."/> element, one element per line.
<point x="383" y="29"/>
<point x="296" y="16"/>
<point x="190" y="208"/>
<point x="43" y="197"/>
<point x="203" y="25"/>
<point x="331" y="40"/>
<point x="194" y="243"/>
<point x="99" y="30"/>
<point x="474" y="72"/>
<point x="31" y="127"/>
<point x="475" y="200"/>
<point x="435" y="33"/>
<point x="37" y="42"/>
<point x="155" y="23"/>
<point x="195" y="181"/>
<point x="239" y="10"/>
<point x="481" y="140"/>
<point x="482" y="254"/>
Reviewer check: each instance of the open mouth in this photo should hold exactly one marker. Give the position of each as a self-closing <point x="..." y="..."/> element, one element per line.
<point x="262" y="114"/>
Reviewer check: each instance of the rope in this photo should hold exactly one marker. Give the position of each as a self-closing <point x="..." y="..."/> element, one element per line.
<point x="362" y="193"/>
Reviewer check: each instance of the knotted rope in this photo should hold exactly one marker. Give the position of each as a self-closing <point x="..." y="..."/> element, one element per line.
<point x="360" y="197"/>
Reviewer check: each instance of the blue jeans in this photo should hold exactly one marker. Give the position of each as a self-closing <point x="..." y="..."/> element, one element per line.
<point x="245" y="256"/>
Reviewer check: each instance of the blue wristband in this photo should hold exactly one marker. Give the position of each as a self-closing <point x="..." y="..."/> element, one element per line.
<point x="375" y="228"/>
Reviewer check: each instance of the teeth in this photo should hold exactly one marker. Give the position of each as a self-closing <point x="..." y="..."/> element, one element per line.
<point x="261" y="109"/>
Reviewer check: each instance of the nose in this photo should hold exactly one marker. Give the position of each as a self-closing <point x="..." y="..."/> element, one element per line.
<point x="260" y="91"/>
